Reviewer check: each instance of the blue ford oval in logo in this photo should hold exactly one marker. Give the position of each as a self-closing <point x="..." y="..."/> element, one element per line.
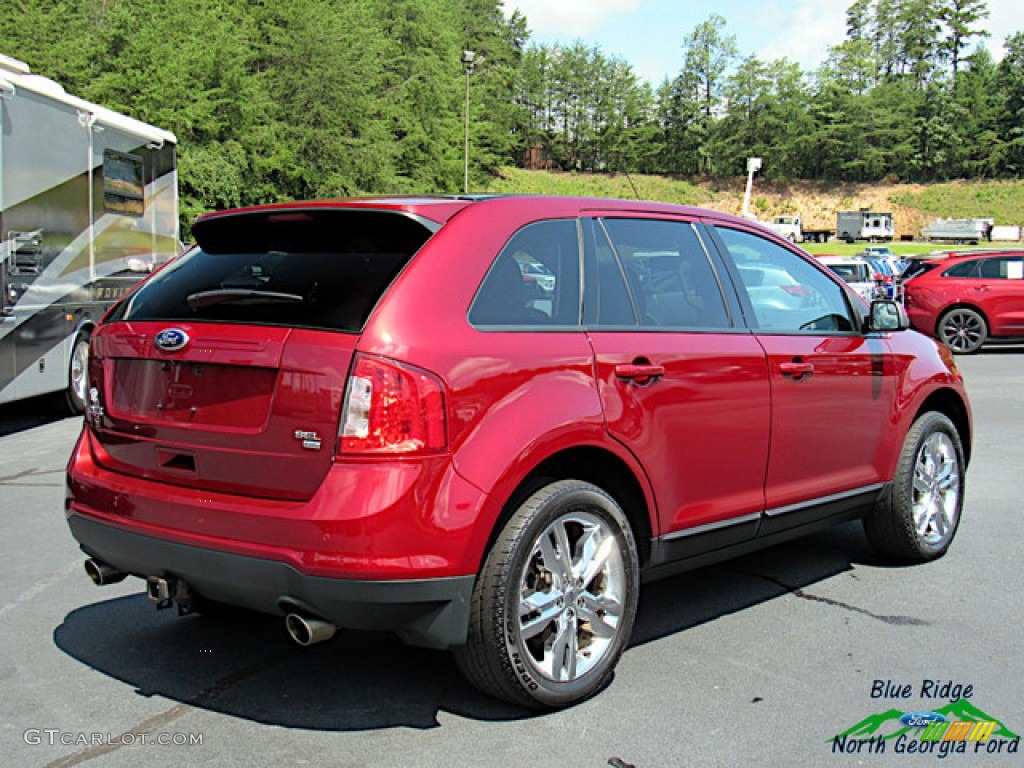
<point x="921" y="719"/>
<point x="171" y="339"/>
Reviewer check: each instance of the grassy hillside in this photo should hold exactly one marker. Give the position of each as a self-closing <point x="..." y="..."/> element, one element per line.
<point x="914" y="206"/>
<point x="615" y="185"/>
<point x="1002" y="200"/>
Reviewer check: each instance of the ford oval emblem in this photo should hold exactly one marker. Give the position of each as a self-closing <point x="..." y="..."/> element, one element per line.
<point x="171" y="339"/>
<point x="921" y="719"/>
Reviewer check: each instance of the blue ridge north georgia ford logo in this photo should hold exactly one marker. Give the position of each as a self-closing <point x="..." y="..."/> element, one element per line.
<point x="171" y="339"/>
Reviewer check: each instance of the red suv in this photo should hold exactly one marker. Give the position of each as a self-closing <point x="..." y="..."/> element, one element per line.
<point x="967" y="300"/>
<point x="361" y="414"/>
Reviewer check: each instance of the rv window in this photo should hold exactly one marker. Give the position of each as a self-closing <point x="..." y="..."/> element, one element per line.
<point x="124" y="189"/>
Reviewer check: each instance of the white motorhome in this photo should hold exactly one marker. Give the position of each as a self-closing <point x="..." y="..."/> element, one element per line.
<point x="865" y="225"/>
<point x="88" y="205"/>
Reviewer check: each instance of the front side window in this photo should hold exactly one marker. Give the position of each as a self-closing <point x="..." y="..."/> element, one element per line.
<point x="534" y="281"/>
<point x="662" y="276"/>
<point x="787" y="294"/>
<point x="1002" y="268"/>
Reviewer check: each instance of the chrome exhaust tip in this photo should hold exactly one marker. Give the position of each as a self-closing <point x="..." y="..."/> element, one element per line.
<point x="102" y="574"/>
<point x="308" y="631"/>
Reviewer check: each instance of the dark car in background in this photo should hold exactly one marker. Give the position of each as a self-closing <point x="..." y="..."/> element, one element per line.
<point x="969" y="299"/>
<point x="362" y="414"/>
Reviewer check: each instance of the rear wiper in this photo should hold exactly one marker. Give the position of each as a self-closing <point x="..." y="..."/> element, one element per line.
<point x="241" y="296"/>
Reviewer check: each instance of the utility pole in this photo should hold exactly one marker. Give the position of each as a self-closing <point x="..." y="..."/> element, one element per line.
<point x="753" y="166"/>
<point x="468" y="60"/>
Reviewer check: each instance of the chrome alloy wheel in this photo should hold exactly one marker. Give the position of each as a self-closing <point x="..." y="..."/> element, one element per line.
<point x="936" y="499"/>
<point x="79" y="374"/>
<point x="572" y="596"/>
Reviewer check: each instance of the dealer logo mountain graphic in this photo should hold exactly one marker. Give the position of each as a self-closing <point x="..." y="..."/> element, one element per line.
<point x="886" y="725"/>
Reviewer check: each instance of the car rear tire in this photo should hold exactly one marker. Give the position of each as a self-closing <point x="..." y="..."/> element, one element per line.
<point x="963" y="330"/>
<point x="78" y="375"/>
<point x="554" y="606"/>
<point x="918" y="519"/>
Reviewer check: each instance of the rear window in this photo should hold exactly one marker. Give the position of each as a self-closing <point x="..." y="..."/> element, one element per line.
<point x="323" y="269"/>
<point x="917" y="267"/>
<point x="852" y="273"/>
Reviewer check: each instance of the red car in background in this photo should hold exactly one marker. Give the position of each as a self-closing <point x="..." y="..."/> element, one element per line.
<point x="968" y="299"/>
<point x="362" y="414"/>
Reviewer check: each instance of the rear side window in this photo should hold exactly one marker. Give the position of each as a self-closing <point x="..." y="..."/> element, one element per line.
<point x="662" y="277"/>
<point x="964" y="269"/>
<point x="323" y="269"/>
<point x="535" y="281"/>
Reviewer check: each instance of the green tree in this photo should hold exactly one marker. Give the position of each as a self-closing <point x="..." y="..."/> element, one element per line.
<point x="1010" y="81"/>
<point x="708" y="53"/>
<point x="960" y="18"/>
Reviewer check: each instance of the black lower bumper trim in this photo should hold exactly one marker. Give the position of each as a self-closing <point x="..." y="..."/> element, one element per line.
<point x="431" y="613"/>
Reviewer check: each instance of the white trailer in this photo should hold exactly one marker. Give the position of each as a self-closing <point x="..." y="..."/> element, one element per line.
<point x="88" y="205"/>
<point x="960" y="230"/>
<point x="865" y="225"/>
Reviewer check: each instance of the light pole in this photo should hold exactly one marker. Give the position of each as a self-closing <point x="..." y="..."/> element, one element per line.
<point x="468" y="60"/>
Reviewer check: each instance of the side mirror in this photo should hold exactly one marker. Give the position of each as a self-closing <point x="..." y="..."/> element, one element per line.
<point x="887" y="316"/>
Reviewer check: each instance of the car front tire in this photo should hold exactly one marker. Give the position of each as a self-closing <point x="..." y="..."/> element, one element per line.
<point x="554" y="606"/>
<point x="917" y="521"/>
<point x="963" y="330"/>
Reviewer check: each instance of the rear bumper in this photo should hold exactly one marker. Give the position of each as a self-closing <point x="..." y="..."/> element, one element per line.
<point x="431" y="613"/>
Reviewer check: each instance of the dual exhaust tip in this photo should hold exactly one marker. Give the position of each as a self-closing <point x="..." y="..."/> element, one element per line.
<point x="304" y="630"/>
<point x="102" y="574"/>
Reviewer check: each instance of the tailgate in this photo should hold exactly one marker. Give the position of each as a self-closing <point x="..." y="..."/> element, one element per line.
<point x="230" y="411"/>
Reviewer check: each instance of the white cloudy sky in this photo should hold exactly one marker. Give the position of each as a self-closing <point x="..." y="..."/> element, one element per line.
<point x="648" y="33"/>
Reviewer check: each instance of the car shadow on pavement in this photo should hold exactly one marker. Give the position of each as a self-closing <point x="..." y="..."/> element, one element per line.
<point x="1005" y="348"/>
<point x="735" y="585"/>
<point x="31" y="413"/>
<point x="249" y="668"/>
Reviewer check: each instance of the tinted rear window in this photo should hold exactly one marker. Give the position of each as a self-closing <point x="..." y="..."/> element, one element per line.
<point x="322" y="269"/>
<point x="854" y="273"/>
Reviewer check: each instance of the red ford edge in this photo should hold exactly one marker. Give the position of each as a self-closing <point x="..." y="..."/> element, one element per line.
<point x="361" y="414"/>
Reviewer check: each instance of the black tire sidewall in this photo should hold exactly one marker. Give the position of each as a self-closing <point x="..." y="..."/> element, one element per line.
<point x="903" y="487"/>
<point x="944" y="320"/>
<point x="75" y="403"/>
<point x="565" y="496"/>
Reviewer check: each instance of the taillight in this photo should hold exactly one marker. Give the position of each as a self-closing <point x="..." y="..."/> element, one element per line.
<point x="392" y="408"/>
<point x="94" y="409"/>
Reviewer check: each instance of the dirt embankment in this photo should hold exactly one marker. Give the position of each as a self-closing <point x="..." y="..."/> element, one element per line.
<point x="817" y="202"/>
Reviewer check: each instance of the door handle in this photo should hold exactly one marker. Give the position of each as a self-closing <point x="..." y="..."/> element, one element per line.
<point x="797" y="369"/>
<point x="639" y="373"/>
<point x="982" y="288"/>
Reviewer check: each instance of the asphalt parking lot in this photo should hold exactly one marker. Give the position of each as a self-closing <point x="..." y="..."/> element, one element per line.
<point x="762" y="661"/>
